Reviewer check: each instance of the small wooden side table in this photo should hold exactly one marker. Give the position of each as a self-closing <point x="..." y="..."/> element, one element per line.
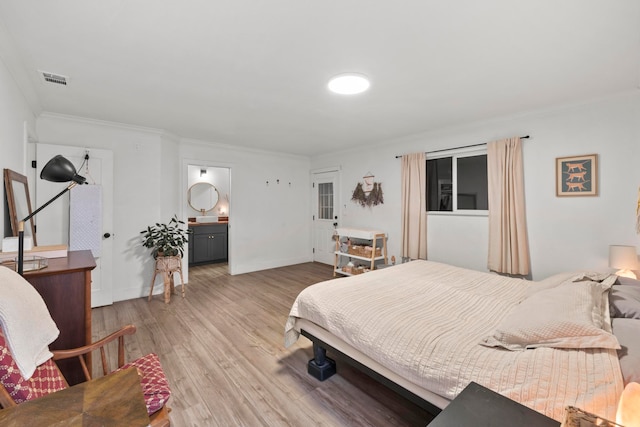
<point x="112" y="400"/>
<point x="477" y="406"/>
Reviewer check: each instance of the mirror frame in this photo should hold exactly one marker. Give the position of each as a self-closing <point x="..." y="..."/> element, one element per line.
<point x="203" y="211"/>
<point x="9" y="178"/>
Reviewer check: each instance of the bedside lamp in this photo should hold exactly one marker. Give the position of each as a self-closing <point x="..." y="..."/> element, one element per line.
<point x="625" y="258"/>
<point x="58" y="169"/>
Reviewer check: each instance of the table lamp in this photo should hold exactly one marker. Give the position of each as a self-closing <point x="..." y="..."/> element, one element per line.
<point x="58" y="169"/>
<point x="625" y="258"/>
<point x="628" y="413"/>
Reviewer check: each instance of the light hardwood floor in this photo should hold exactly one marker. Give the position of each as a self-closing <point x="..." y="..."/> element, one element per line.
<point x="222" y="350"/>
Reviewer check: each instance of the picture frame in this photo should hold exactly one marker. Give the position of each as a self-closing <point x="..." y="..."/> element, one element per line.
<point x="577" y="176"/>
<point x="19" y="203"/>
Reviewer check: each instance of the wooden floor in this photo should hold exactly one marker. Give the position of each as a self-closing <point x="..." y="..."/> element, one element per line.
<point x="222" y="350"/>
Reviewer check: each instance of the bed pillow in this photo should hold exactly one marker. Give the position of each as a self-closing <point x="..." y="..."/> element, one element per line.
<point x="550" y="282"/>
<point x="627" y="281"/>
<point x="560" y="278"/>
<point x="627" y="331"/>
<point x="570" y="315"/>
<point x="624" y="301"/>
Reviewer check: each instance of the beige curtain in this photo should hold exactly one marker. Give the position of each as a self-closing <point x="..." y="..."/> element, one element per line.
<point x="508" y="243"/>
<point x="414" y="206"/>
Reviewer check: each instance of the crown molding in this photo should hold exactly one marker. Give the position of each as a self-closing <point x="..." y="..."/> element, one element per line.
<point x="105" y="123"/>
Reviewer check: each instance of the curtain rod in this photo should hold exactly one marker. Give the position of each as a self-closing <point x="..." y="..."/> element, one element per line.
<point x="464" y="146"/>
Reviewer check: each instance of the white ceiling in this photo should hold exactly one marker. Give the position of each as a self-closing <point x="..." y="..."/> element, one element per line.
<point x="254" y="73"/>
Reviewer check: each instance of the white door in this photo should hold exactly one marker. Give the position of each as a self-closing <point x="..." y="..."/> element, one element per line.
<point x="53" y="222"/>
<point x="325" y="215"/>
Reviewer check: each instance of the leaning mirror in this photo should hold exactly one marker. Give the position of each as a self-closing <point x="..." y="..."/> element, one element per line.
<point x="19" y="203"/>
<point x="203" y="197"/>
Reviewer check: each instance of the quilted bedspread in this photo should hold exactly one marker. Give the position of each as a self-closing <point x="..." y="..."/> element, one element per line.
<point x="424" y="320"/>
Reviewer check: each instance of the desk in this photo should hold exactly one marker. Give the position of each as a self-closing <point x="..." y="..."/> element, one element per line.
<point x="477" y="406"/>
<point x="113" y="400"/>
<point x="65" y="287"/>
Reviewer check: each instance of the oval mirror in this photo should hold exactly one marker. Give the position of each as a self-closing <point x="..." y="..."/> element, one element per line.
<point x="203" y="197"/>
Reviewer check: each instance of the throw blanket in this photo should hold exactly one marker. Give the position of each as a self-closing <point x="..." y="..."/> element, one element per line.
<point x="26" y="322"/>
<point x="425" y="320"/>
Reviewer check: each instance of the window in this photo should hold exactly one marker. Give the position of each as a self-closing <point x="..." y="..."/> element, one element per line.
<point x="457" y="182"/>
<point x="325" y="200"/>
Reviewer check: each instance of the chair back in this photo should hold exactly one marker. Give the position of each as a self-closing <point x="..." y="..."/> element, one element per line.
<point x="46" y="379"/>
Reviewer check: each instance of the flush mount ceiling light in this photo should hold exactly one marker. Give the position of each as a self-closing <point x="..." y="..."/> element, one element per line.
<point x="349" y="84"/>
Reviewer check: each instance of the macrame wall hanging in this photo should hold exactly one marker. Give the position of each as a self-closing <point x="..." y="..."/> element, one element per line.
<point x="368" y="193"/>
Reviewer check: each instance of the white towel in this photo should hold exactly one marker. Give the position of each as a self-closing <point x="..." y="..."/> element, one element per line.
<point x="85" y="219"/>
<point x="26" y="322"/>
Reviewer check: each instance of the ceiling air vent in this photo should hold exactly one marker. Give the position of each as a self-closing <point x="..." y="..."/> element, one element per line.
<point x="54" y="78"/>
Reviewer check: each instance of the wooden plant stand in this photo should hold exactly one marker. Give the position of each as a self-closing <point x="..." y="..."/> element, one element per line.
<point x="167" y="266"/>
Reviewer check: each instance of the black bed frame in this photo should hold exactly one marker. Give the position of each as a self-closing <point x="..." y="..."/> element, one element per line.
<point x="321" y="367"/>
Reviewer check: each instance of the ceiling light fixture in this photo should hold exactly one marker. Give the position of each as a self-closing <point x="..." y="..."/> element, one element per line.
<point x="349" y="84"/>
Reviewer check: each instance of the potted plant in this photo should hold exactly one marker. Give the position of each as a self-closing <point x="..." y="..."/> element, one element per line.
<point x="166" y="239"/>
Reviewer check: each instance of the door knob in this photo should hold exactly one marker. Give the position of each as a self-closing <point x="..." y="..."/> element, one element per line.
<point x="106" y="235"/>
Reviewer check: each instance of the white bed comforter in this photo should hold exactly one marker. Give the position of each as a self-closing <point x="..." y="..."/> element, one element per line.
<point x="423" y="320"/>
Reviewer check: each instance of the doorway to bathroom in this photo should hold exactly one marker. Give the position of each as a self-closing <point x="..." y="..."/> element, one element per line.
<point x="207" y="208"/>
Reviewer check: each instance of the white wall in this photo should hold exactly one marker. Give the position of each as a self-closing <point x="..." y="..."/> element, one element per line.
<point x="565" y="233"/>
<point x="145" y="188"/>
<point x="169" y="177"/>
<point x="16" y="120"/>
<point x="269" y="225"/>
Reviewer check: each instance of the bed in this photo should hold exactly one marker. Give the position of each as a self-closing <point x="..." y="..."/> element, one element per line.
<point x="429" y="329"/>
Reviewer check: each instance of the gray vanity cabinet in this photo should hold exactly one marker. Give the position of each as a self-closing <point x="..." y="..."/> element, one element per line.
<point x="208" y="243"/>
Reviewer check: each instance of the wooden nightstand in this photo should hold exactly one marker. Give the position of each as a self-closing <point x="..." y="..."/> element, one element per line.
<point x="477" y="406"/>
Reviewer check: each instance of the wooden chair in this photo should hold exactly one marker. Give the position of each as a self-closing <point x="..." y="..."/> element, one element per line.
<point x="167" y="266"/>
<point x="47" y="378"/>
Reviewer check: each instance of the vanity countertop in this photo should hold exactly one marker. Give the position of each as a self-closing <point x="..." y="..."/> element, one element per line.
<point x="198" y="224"/>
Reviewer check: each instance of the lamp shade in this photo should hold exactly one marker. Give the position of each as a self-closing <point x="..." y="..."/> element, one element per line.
<point x="624" y="257"/>
<point x="59" y="169"/>
<point x="629" y="406"/>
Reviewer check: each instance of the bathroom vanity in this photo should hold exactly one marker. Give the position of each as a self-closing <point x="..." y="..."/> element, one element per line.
<point x="207" y="242"/>
<point x="208" y="232"/>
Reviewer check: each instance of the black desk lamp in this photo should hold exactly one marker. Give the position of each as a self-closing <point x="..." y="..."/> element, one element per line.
<point x="57" y="169"/>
